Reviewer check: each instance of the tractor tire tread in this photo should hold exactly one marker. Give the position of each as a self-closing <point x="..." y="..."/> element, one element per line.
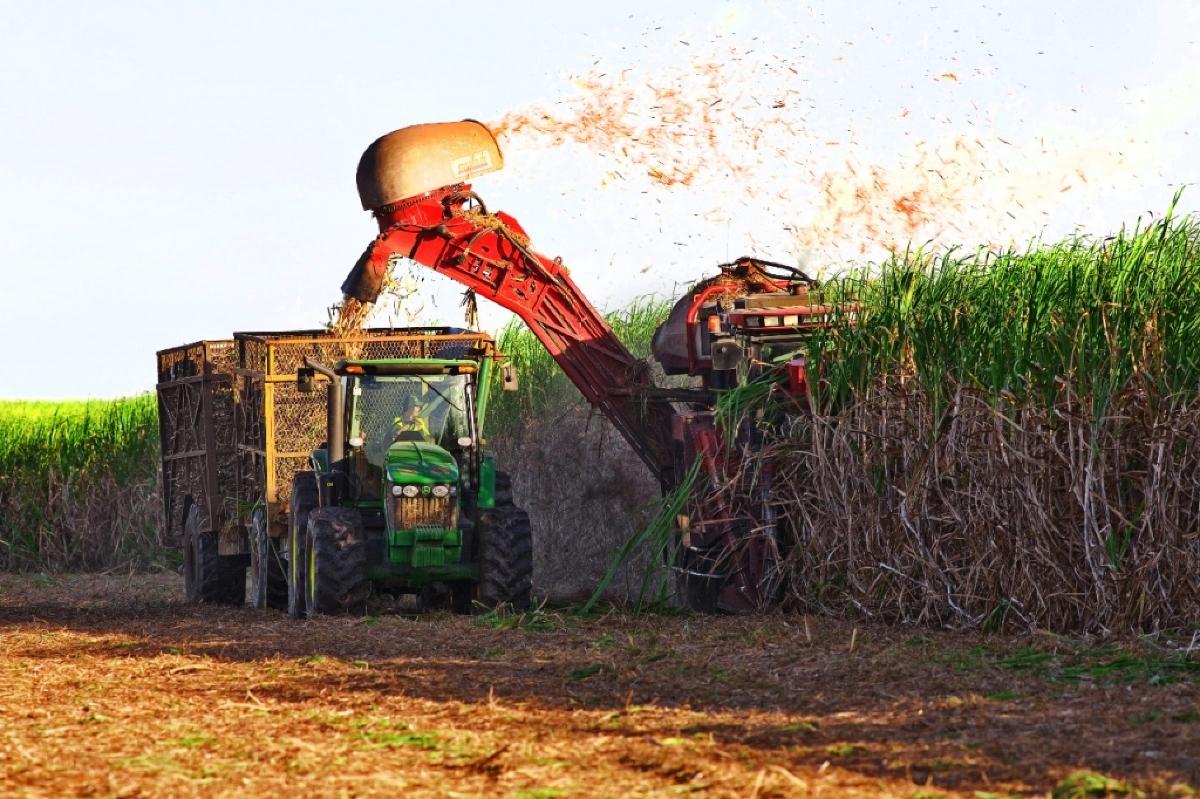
<point x="339" y="550"/>
<point x="507" y="558"/>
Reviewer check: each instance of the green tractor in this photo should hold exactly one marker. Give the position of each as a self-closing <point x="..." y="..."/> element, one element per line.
<point x="402" y="498"/>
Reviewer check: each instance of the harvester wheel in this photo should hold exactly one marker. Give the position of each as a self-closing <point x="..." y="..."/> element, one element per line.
<point x="696" y="589"/>
<point x="305" y="498"/>
<point x="337" y="562"/>
<point x="207" y="577"/>
<point x="268" y="569"/>
<point x="505" y="554"/>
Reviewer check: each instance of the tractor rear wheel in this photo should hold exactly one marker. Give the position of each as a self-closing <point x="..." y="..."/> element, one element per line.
<point x="337" y="562"/>
<point x="208" y="577"/>
<point x="268" y="569"/>
<point x="505" y="554"/>
<point x="305" y="498"/>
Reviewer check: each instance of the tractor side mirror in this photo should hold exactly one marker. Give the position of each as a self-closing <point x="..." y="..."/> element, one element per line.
<point x="508" y="377"/>
<point x="304" y="379"/>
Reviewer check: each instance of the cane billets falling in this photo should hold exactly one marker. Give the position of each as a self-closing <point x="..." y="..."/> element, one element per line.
<point x="769" y="136"/>
<point x="780" y="143"/>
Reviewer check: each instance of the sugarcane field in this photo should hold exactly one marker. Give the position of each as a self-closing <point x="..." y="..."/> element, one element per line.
<point x="718" y="399"/>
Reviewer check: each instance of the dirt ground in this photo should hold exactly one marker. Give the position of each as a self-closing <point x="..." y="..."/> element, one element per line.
<point x="111" y="686"/>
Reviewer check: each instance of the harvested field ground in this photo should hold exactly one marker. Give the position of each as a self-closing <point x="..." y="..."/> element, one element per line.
<point x="111" y="686"/>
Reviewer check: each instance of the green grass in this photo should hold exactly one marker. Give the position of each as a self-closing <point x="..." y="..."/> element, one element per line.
<point x="584" y="672"/>
<point x="1101" y="665"/>
<point x="26" y="410"/>
<point x="1086" y="317"/>
<point x="389" y="739"/>
<point x="1089" y="316"/>
<point x="1093" y="316"/>
<point x="1081" y="784"/>
<point x="844" y="750"/>
<point x="505" y="617"/>
<point x="52" y="453"/>
<point x="67" y="437"/>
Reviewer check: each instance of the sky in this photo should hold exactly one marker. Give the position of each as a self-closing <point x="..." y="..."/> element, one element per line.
<point x="172" y="172"/>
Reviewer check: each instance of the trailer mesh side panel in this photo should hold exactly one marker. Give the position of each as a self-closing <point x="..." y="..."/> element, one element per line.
<point x="196" y="404"/>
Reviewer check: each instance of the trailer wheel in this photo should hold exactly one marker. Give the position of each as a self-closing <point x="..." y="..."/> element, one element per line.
<point x="505" y="555"/>
<point x="305" y="498"/>
<point x="337" y="562"/>
<point x="207" y="577"/>
<point x="268" y="569"/>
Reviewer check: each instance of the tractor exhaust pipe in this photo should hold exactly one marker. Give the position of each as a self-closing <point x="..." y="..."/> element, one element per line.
<point x="335" y="418"/>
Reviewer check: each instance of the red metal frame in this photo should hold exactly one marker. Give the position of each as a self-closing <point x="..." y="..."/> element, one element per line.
<point x="808" y="317"/>
<point x="693" y="316"/>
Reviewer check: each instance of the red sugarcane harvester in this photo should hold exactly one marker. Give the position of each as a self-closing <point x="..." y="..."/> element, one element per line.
<point x="748" y="323"/>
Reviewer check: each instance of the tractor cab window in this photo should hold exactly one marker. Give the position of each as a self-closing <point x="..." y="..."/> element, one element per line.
<point x="428" y="408"/>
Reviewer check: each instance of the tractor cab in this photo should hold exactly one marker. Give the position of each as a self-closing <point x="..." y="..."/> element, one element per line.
<point x="405" y="416"/>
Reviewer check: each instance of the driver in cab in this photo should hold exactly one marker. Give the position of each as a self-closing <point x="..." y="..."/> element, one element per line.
<point x="410" y="425"/>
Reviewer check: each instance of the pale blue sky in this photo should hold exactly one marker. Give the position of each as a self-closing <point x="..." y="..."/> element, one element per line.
<point x="170" y="172"/>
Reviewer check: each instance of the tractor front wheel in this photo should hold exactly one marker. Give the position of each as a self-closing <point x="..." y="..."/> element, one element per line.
<point x="305" y="498"/>
<point x="505" y="554"/>
<point x="208" y="577"/>
<point x="337" y="562"/>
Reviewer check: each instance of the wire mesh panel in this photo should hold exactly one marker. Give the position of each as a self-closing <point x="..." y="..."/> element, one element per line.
<point x="196" y="402"/>
<point x="279" y="426"/>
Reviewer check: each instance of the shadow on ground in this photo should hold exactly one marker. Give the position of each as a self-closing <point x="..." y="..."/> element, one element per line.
<point x="958" y="712"/>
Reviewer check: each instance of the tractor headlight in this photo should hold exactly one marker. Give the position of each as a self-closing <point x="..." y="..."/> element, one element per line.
<point x="441" y="491"/>
<point x="411" y="491"/>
